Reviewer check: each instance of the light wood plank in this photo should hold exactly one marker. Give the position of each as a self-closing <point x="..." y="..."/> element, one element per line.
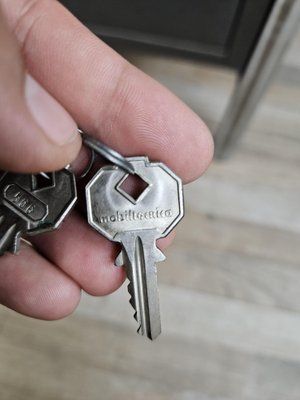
<point x="234" y="275"/>
<point x="245" y="202"/>
<point x="85" y="358"/>
<point x="241" y="237"/>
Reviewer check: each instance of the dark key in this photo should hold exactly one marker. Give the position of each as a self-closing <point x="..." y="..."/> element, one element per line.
<point x="32" y="204"/>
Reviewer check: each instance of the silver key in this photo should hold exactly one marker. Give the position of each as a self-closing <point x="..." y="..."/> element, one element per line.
<point x="32" y="204"/>
<point x="137" y="221"/>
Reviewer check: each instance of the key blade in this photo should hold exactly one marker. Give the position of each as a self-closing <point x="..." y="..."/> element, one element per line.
<point x="11" y="229"/>
<point x="139" y="258"/>
<point x="148" y="294"/>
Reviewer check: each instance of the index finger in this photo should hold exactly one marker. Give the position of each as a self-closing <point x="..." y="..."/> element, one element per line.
<point x="105" y="94"/>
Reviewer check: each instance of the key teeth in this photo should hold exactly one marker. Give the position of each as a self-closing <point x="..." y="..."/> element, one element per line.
<point x="131" y="300"/>
<point x="10" y="242"/>
<point x="159" y="255"/>
<point x="15" y="247"/>
<point x="135" y="315"/>
<point x="9" y="237"/>
<point x="119" y="261"/>
<point x="139" y="330"/>
<point x="132" y="303"/>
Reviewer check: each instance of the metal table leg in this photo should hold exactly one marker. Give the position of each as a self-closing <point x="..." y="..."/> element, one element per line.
<point x="275" y="38"/>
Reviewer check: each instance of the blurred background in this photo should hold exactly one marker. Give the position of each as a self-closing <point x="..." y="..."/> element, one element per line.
<point x="230" y="287"/>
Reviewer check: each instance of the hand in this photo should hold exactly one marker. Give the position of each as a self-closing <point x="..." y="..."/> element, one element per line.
<point x="53" y="72"/>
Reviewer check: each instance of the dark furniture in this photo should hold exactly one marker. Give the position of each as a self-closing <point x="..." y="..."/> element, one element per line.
<point x="246" y="35"/>
<point x="219" y="31"/>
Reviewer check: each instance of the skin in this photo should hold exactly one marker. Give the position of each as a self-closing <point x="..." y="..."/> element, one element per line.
<point x="107" y="97"/>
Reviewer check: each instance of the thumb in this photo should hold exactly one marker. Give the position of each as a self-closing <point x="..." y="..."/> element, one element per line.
<point x="36" y="132"/>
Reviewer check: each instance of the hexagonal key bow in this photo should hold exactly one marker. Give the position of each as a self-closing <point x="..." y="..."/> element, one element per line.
<point x="32" y="204"/>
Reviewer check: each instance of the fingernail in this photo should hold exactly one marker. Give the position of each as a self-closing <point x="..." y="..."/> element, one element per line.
<point x="55" y="121"/>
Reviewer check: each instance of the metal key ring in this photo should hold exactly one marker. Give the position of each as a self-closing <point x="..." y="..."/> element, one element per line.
<point x="89" y="166"/>
<point x="106" y="152"/>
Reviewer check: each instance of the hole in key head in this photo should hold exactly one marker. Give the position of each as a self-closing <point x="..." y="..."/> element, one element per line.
<point x="42" y="181"/>
<point x="133" y="187"/>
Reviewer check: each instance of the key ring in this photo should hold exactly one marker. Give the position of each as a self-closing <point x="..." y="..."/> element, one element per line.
<point x="106" y="152"/>
<point x="89" y="166"/>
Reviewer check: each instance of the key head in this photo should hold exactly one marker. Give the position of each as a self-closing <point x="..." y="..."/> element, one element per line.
<point x="60" y="197"/>
<point x="112" y="211"/>
<point x="42" y="200"/>
<point x="31" y="204"/>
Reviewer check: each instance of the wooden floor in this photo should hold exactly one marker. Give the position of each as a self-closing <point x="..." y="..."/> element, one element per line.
<point x="230" y="288"/>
